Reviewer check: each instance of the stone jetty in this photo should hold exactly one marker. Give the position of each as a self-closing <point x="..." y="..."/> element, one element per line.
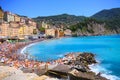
<point x="73" y="66"/>
<point x="76" y="69"/>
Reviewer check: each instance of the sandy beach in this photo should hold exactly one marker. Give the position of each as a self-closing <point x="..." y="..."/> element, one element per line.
<point x="20" y="61"/>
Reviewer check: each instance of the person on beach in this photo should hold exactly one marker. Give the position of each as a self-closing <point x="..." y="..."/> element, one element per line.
<point x="46" y="66"/>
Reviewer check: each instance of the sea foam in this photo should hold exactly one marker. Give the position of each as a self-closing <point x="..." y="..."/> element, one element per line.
<point x="24" y="49"/>
<point x="104" y="72"/>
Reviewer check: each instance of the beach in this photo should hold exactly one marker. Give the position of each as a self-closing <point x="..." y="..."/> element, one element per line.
<point x="104" y="47"/>
<point x="12" y="58"/>
<point x="31" y="65"/>
<point x="21" y="61"/>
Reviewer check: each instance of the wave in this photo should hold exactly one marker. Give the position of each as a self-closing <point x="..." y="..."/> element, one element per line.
<point x="104" y="72"/>
<point x="60" y="55"/>
<point x="24" y="49"/>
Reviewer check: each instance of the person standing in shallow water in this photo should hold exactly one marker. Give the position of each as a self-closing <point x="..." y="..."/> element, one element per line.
<point x="46" y="66"/>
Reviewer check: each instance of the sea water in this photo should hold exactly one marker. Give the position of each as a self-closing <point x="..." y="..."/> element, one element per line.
<point x="106" y="49"/>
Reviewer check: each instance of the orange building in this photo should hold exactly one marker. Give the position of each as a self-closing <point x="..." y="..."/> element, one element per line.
<point x="61" y="33"/>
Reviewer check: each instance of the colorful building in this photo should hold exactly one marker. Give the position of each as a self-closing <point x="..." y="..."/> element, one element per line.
<point x="17" y="18"/>
<point x="55" y="32"/>
<point x="26" y="30"/>
<point x="50" y="32"/>
<point x="13" y="26"/>
<point x="61" y="33"/>
<point x="4" y="30"/>
<point x="13" y="30"/>
<point x="45" y="25"/>
<point x="1" y="15"/>
<point x="9" y="17"/>
<point x="22" y="19"/>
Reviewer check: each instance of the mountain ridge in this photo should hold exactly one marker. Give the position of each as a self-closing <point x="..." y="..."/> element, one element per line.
<point x="60" y="19"/>
<point x="107" y="14"/>
<point x="108" y="20"/>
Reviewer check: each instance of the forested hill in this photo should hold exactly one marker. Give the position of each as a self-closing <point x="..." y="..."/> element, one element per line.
<point x="108" y="14"/>
<point x="61" y="19"/>
<point x="103" y="22"/>
<point x="111" y="17"/>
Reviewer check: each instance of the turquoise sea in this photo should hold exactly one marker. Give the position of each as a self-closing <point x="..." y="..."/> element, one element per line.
<point x="106" y="49"/>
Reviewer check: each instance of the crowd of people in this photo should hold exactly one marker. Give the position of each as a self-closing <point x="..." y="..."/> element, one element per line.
<point x="9" y="55"/>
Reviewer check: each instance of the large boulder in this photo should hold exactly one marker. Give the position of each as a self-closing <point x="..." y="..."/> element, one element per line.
<point x="77" y="75"/>
<point x="60" y="71"/>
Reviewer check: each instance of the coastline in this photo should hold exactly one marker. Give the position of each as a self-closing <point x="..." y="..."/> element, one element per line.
<point x="72" y="72"/>
<point x="22" y="51"/>
<point x="33" y="43"/>
<point x="107" y="75"/>
<point x="30" y="44"/>
<point x="111" y="77"/>
<point x="96" y="68"/>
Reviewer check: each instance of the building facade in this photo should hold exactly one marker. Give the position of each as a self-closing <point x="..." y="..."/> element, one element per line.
<point x="9" y="17"/>
<point x="4" y="30"/>
<point x="15" y="30"/>
<point x="55" y="32"/>
<point x="1" y="15"/>
<point x="12" y="25"/>
<point x="17" y="18"/>
<point x="22" y="20"/>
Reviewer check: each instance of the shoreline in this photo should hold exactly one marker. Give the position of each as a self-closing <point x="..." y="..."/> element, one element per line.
<point x="71" y="56"/>
<point x="34" y="42"/>
<point x="107" y="75"/>
<point x="29" y="44"/>
<point x="96" y="68"/>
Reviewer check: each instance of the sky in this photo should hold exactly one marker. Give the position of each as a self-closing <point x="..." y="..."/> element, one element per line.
<point x="35" y="8"/>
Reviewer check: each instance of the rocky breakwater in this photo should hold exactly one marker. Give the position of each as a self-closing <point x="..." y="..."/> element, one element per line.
<point x="75" y="67"/>
<point x="82" y="61"/>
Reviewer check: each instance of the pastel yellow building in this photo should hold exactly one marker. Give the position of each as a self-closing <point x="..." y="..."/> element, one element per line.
<point x="32" y="29"/>
<point x="1" y="15"/>
<point x="21" y="32"/>
<point x="17" y="18"/>
<point x="45" y="25"/>
<point x="13" y="30"/>
<point x="50" y="32"/>
<point x="25" y="30"/>
<point x="54" y="32"/>
<point x="14" y="26"/>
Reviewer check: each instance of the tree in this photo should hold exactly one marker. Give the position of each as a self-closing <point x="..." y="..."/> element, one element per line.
<point x="41" y="29"/>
